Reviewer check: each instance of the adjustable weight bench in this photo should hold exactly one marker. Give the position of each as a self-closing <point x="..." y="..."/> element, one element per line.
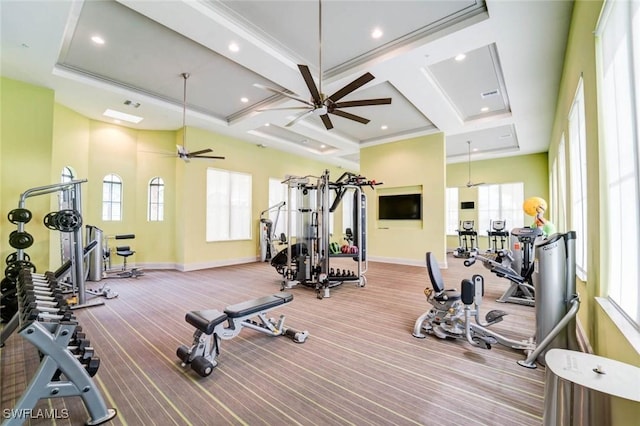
<point x="211" y="327"/>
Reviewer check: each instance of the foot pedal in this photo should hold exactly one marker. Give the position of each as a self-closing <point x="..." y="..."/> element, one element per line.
<point x="437" y="330"/>
<point x="485" y="341"/>
<point x="494" y="316"/>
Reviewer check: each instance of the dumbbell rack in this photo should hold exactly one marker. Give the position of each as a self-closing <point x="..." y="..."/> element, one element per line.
<point x="67" y="359"/>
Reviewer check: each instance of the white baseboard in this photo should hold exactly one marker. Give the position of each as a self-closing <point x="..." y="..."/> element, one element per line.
<point x="216" y="264"/>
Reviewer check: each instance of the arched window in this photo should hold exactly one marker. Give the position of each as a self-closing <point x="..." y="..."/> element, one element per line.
<point x="156" y="199"/>
<point x="67" y="174"/>
<point x="112" y="198"/>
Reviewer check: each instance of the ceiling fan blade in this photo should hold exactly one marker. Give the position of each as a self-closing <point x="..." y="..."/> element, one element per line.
<point x="299" y="117"/>
<point x="360" y="81"/>
<point x="280" y="92"/>
<point x="215" y="157"/>
<point x="326" y="121"/>
<point x="363" y="102"/>
<point x="281" y="109"/>
<point x="202" y="151"/>
<point x="350" y="116"/>
<point x="311" y="85"/>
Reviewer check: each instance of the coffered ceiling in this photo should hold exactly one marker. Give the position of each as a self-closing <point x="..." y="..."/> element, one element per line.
<point x="500" y="96"/>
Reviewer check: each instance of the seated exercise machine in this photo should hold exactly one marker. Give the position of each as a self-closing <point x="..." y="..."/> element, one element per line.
<point x="211" y="327"/>
<point x="68" y="361"/>
<point x="457" y="314"/>
<point x="467" y="237"/>
<point x="122" y="251"/>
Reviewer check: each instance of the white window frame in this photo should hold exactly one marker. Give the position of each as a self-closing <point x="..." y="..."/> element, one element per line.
<point x="155" y="207"/>
<point x="112" y="195"/>
<point x="578" y="178"/>
<point x="347" y="211"/>
<point x="278" y="194"/>
<point x="452" y="198"/>
<point x="561" y="219"/>
<point x="500" y="207"/>
<point x="228" y="206"/>
<point x="618" y="67"/>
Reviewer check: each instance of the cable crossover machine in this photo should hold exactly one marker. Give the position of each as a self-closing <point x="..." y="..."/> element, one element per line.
<point x="307" y="261"/>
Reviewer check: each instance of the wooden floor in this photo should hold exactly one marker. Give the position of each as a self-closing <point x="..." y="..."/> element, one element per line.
<point x="361" y="365"/>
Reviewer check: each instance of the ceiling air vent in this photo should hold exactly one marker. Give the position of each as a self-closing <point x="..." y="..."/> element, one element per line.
<point x="489" y="94"/>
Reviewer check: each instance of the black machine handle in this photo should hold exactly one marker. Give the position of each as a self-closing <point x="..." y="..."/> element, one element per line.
<point x="125" y="236"/>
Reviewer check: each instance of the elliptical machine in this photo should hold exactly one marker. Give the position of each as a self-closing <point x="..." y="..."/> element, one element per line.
<point x="457" y="314"/>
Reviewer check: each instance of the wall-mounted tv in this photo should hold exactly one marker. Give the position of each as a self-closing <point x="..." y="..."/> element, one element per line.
<point x="400" y="207"/>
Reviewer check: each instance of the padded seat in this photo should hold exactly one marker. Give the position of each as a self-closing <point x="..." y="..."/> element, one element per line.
<point x="205" y="321"/>
<point x="437" y="282"/>
<point x="257" y="305"/>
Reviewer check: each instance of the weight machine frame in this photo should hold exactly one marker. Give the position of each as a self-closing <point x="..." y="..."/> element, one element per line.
<point x="312" y="268"/>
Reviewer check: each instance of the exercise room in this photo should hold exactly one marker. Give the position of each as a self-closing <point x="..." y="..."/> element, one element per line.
<point x="320" y="212"/>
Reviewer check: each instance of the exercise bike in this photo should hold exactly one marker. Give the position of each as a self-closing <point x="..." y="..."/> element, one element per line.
<point x="457" y="314"/>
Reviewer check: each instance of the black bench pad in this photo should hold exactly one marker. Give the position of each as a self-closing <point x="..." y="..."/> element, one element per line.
<point x="254" y="306"/>
<point x="205" y="321"/>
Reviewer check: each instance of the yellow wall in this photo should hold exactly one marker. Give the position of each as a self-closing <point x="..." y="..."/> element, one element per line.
<point x="25" y="152"/>
<point x="412" y="162"/>
<point x="529" y="169"/>
<point x="603" y="333"/>
<point x="40" y="137"/>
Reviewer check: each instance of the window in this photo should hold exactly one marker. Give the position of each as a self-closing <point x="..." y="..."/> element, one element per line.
<point x="67" y="175"/>
<point x="578" y="179"/>
<point x="618" y="47"/>
<point x="501" y="202"/>
<point x="278" y="194"/>
<point x="156" y="200"/>
<point x="553" y="190"/>
<point x="228" y="205"/>
<point x="347" y="211"/>
<point x="561" y="208"/>
<point x="452" y="211"/>
<point x="112" y="198"/>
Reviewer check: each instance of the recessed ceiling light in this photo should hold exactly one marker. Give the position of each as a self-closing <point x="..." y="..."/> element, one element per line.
<point x="267" y="124"/>
<point x="460" y="57"/>
<point x="234" y="47"/>
<point x="323" y="146"/>
<point x="244" y="100"/>
<point x="122" y="116"/>
<point x="384" y="127"/>
<point x="474" y="149"/>
<point x="484" y="109"/>
<point x="97" y="39"/>
<point x="376" y="33"/>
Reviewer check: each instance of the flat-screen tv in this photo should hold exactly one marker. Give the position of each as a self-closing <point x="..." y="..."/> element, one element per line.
<point x="400" y="207"/>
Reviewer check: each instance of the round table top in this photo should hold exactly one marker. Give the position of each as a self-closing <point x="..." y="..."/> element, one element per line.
<point x="595" y="372"/>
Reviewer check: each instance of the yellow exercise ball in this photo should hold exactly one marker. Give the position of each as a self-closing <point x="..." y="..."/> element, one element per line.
<point x="532" y="205"/>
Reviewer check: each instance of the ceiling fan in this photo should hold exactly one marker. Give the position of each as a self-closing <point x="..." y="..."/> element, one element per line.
<point x="322" y="105"/>
<point x="469" y="183"/>
<point x="182" y="149"/>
